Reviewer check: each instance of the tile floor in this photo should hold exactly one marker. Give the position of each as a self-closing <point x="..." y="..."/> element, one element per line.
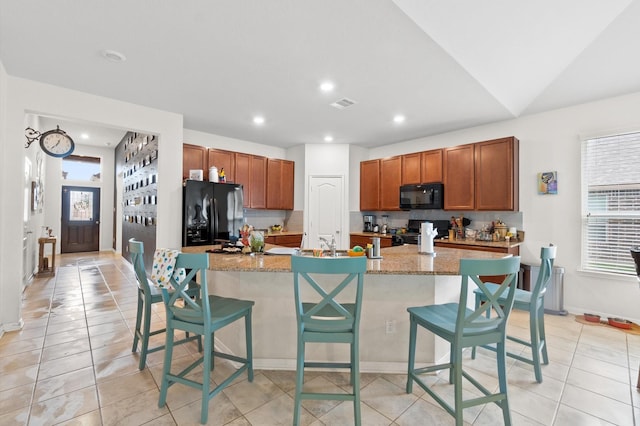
<point x="72" y="364"/>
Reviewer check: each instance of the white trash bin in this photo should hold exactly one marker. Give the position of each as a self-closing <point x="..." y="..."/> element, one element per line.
<point x="554" y="297"/>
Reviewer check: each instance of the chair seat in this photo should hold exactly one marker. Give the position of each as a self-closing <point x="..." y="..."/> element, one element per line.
<point x="328" y="319"/>
<point x="441" y="319"/>
<point x="223" y="309"/>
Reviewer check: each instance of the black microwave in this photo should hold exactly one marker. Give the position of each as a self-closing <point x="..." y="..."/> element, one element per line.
<point x="422" y="196"/>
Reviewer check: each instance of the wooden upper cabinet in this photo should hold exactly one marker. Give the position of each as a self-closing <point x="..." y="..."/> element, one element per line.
<point x="194" y="157"/>
<point x="280" y="176"/>
<point x="431" y="163"/>
<point x="390" y="181"/>
<point x="224" y="160"/>
<point x="258" y="182"/>
<point x="496" y="175"/>
<point x="459" y="177"/>
<point x="242" y="176"/>
<point x="370" y="185"/>
<point x="288" y="179"/>
<point x="411" y="168"/>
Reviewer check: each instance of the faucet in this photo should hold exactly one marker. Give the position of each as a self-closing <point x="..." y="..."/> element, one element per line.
<point x="331" y="245"/>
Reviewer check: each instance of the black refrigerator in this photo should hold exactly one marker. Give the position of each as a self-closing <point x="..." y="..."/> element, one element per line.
<point x="211" y="212"/>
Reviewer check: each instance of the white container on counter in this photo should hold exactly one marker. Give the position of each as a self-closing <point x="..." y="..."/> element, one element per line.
<point x="213" y="174"/>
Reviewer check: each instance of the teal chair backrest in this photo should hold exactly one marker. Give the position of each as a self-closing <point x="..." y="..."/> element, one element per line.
<point x="327" y="314"/>
<point x="179" y="302"/>
<point x="136" y="249"/>
<point x="547" y="257"/>
<point x="472" y="270"/>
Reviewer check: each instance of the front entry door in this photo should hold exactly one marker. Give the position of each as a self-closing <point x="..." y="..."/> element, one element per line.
<point x="80" y="229"/>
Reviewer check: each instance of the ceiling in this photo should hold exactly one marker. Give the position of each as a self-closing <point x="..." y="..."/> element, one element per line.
<point x="443" y="65"/>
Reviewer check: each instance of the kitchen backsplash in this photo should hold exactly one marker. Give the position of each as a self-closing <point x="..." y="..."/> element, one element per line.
<point x="291" y="220"/>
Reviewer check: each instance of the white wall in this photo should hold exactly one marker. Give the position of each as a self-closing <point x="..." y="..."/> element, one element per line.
<point x="328" y="160"/>
<point x="551" y="142"/>
<point x="21" y="97"/>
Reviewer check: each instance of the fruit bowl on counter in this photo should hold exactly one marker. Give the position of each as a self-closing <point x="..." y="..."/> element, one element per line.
<point x="276" y="228"/>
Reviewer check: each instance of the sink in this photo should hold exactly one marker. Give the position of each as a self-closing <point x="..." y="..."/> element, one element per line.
<point x="325" y="253"/>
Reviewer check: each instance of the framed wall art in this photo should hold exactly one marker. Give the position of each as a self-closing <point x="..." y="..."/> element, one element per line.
<point x="548" y="183"/>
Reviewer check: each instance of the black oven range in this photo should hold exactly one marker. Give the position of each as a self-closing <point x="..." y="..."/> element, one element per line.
<point x="413" y="230"/>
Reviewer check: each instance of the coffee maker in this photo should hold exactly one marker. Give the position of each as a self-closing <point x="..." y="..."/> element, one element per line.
<point x="369" y="222"/>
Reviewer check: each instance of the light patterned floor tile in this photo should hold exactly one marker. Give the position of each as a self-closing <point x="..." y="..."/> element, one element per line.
<point x="597" y="405"/>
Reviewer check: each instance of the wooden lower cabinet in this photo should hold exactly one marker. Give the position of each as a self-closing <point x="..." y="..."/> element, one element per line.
<point x="363" y="240"/>
<point x="510" y="250"/>
<point x="289" y="240"/>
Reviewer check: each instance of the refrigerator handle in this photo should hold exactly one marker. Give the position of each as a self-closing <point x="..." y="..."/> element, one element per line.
<point x="214" y="219"/>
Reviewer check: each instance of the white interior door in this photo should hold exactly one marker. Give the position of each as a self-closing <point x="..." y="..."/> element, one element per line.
<point x="326" y="211"/>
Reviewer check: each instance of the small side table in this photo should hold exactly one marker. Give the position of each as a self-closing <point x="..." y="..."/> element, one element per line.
<point x="44" y="268"/>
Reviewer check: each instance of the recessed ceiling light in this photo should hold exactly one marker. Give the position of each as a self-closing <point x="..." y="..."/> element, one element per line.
<point x="114" y="56"/>
<point x="327" y="86"/>
<point x="258" y="120"/>
<point x="328" y="138"/>
<point x="399" y="119"/>
<point x="84" y="136"/>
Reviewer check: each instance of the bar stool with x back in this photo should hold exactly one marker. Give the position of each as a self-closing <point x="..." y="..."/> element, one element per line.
<point x="331" y="288"/>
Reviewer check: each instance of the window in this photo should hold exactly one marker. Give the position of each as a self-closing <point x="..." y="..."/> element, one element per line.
<point x="610" y="203"/>
<point x="81" y="168"/>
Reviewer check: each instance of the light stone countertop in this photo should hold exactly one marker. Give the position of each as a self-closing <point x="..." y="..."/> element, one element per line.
<point x="399" y="260"/>
<point x="470" y="242"/>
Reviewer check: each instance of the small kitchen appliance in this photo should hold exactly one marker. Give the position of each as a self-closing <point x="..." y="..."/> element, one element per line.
<point x="369" y="222"/>
<point x="422" y="196"/>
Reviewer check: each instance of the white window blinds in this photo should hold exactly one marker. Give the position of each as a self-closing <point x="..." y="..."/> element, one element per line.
<point x="610" y="203"/>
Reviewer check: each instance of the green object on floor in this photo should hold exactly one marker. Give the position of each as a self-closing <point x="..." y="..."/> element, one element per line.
<point x="203" y="316"/>
<point x="147" y="296"/>
<point x="533" y="302"/>
<point x="463" y="327"/>
<point x="328" y="321"/>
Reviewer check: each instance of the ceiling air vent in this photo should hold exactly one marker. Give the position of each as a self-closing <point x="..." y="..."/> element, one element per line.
<point x="343" y="103"/>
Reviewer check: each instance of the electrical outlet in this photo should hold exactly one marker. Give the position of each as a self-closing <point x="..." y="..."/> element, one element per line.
<point x="390" y="326"/>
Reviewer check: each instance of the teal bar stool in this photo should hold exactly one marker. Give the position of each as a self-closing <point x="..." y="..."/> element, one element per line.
<point x="533" y="302"/>
<point x="147" y="296"/>
<point x="326" y="320"/>
<point x="204" y="316"/>
<point x="463" y="327"/>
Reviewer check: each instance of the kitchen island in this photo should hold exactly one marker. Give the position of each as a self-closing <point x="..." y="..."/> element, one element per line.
<point x="401" y="279"/>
